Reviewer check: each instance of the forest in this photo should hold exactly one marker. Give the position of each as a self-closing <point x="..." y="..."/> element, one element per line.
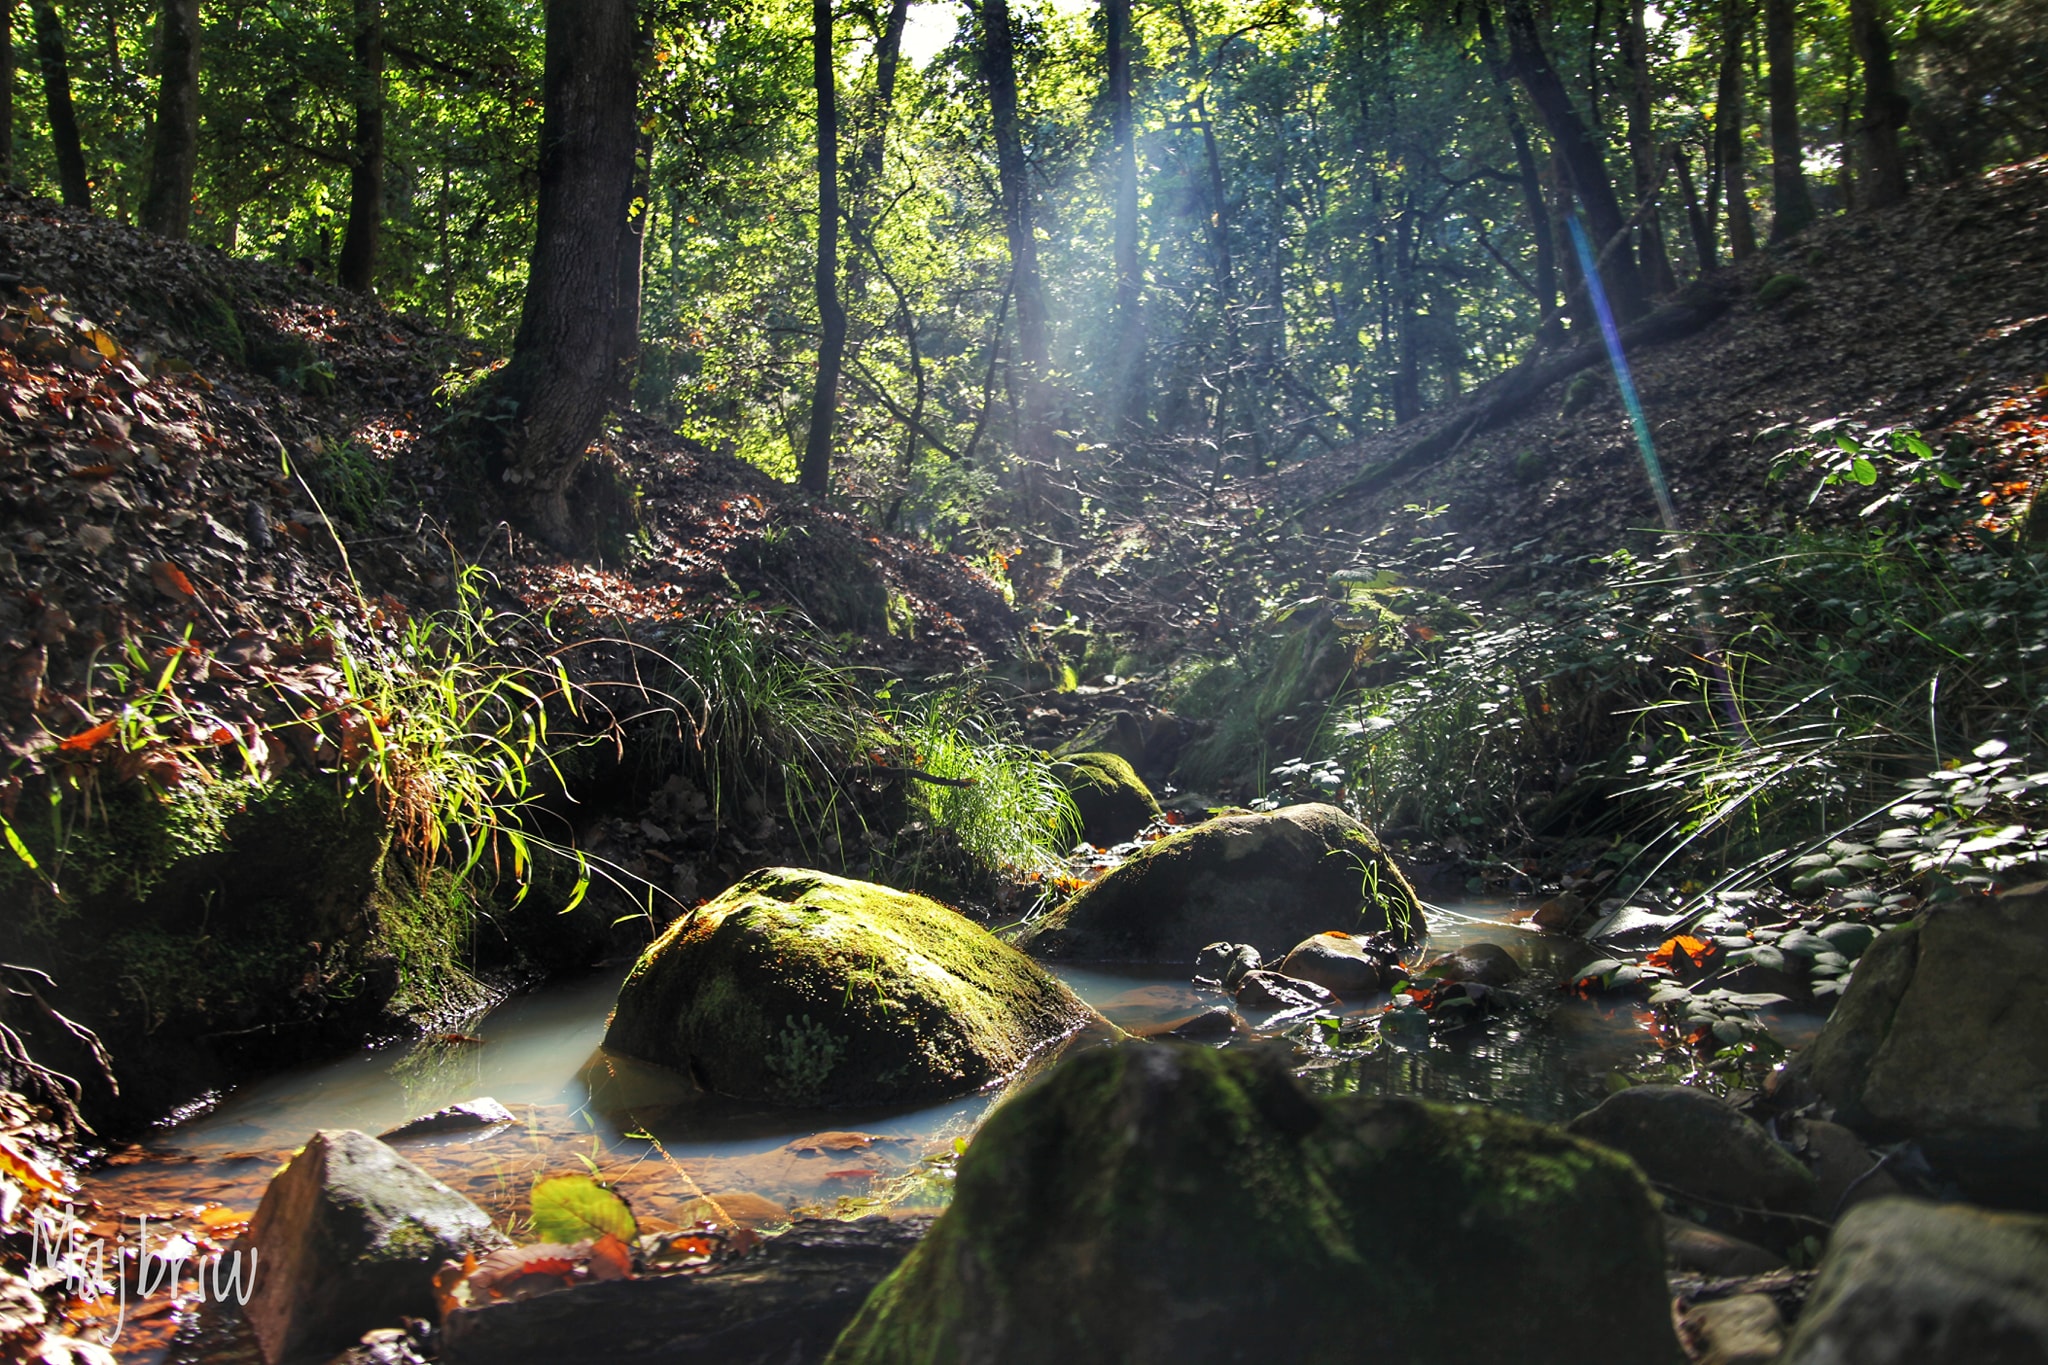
<point x="970" y="681"/>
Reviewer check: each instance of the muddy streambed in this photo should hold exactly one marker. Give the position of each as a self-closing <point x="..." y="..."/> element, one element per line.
<point x="679" y="1156"/>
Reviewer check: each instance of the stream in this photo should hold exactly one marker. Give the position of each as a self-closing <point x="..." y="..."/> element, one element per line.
<point x="679" y="1156"/>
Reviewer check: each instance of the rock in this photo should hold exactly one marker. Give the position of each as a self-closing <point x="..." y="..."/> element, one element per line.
<point x="802" y="988"/>
<point x="1942" y="1039"/>
<point x="1479" y="964"/>
<point x="1688" y="1246"/>
<point x="783" y="1305"/>
<point x="1270" y="880"/>
<point x="1210" y="1026"/>
<point x="1352" y="967"/>
<point x="1272" y="991"/>
<point x="733" y="1208"/>
<point x="1905" y="1281"/>
<point x="1845" y="1171"/>
<point x="1152" y="1202"/>
<point x="1743" y="1330"/>
<point x="456" y="1118"/>
<point x="1561" y="914"/>
<point x="347" y="1238"/>
<point x="1225" y="964"/>
<point x="1701" y="1152"/>
<point x="1113" y="800"/>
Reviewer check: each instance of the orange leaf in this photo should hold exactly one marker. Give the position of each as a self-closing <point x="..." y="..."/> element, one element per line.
<point x="610" y="1259"/>
<point x="27" y="1170"/>
<point x="1694" y="950"/>
<point x="89" y="739"/>
<point x="170" y="580"/>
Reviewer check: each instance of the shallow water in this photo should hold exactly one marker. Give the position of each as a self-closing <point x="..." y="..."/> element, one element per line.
<point x="663" y="1145"/>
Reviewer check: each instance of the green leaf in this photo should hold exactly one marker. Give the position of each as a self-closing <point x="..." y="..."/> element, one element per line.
<point x="1911" y="442"/>
<point x="1863" y="471"/>
<point x="575" y="1208"/>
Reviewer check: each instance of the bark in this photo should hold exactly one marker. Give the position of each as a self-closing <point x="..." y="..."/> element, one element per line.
<point x="174" y="147"/>
<point x="1642" y="150"/>
<point x="1791" y="202"/>
<point x="1695" y="216"/>
<point x="815" y="474"/>
<point x="63" y="118"/>
<point x="1127" y="323"/>
<point x="633" y="241"/>
<point x="6" y="91"/>
<point x="1728" y="119"/>
<point x="562" y="376"/>
<point x="1580" y="151"/>
<point x="366" y="159"/>
<point x="1531" y="178"/>
<point x="999" y="70"/>
<point x="1884" y="108"/>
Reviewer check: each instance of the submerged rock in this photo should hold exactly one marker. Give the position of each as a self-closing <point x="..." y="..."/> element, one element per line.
<point x="802" y="988"/>
<point x="348" y="1238"/>
<point x="1224" y="964"/>
<point x="1906" y="1282"/>
<point x="1744" y="1330"/>
<point x="1153" y="1202"/>
<point x="1270" y="880"/>
<point x="1942" y="1038"/>
<point x="1478" y="964"/>
<point x="1113" y="800"/>
<point x="468" y="1116"/>
<point x="1352" y="967"/>
<point x="1272" y="991"/>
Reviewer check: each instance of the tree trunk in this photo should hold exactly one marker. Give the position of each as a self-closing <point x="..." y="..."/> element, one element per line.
<point x="562" y="375"/>
<point x="1884" y="108"/>
<point x="1728" y="119"/>
<point x="633" y="242"/>
<point x="6" y="91"/>
<point x="174" y="150"/>
<point x="63" y="118"/>
<point x="1695" y="216"/>
<point x="366" y="161"/>
<point x="1127" y="323"/>
<point x="1580" y="152"/>
<point x="1642" y="149"/>
<point x="1791" y="203"/>
<point x="999" y="69"/>
<point x="815" y="475"/>
<point x="1552" y="329"/>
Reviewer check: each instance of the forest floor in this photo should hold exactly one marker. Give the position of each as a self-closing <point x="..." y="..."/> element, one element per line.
<point x="1932" y="315"/>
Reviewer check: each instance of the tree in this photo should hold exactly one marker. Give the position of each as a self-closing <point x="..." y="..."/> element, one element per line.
<point x="1884" y="108"/>
<point x="366" y="157"/>
<point x="70" y="154"/>
<point x="562" y="377"/>
<point x="6" y="90"/>
<point x="1791" y="203"/>
<point x="1580" y="150"/>
<point x="999" y="73"/>
<point x="1528" y="177"/>
<point x="1728" y="119"/>
<point x="1127" y="324"/>
<point x="174" y="149"/>
<point x="815" y="473"/>
<point x="1642" y="147"/>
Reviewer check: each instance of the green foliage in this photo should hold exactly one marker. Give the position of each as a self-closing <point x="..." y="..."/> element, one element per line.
<point x="1778" y="288"/>
<point x="568" y="1209"/>
<point x="759" y="712"/>
<point x="1008" y="811"/>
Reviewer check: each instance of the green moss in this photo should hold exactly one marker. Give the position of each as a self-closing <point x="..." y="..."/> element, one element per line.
<point x="804" y="988"/>
<point x="1148" y="1202"/>
<point x="1580" y="393"/>
<point x="1779" y="287"/>
<point x="1113" y="800"/>
<point x="1270" y="880"/>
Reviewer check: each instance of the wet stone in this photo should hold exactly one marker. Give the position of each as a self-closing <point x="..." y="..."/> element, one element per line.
<point x="468" y="1116"/>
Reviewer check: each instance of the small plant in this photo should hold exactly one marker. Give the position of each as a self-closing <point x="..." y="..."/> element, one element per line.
<point x="1853" y="454"/>
<point x="999" y="798"/>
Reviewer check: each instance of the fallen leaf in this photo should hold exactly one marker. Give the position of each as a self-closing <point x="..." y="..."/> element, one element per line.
<point x="88" y="740"/>
<point x="170" y="580"/>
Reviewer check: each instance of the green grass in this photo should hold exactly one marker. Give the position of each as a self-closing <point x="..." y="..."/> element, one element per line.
<point x="1012" y="815"/>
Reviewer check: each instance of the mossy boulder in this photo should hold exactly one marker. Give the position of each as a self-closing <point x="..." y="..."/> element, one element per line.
<point x="1270" y="880"/>
<point x="1942" y="1038"/>
<point x="1162" y="1202"/>
<point x="1113" y="800"/>
<point x="802" y="988"/>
